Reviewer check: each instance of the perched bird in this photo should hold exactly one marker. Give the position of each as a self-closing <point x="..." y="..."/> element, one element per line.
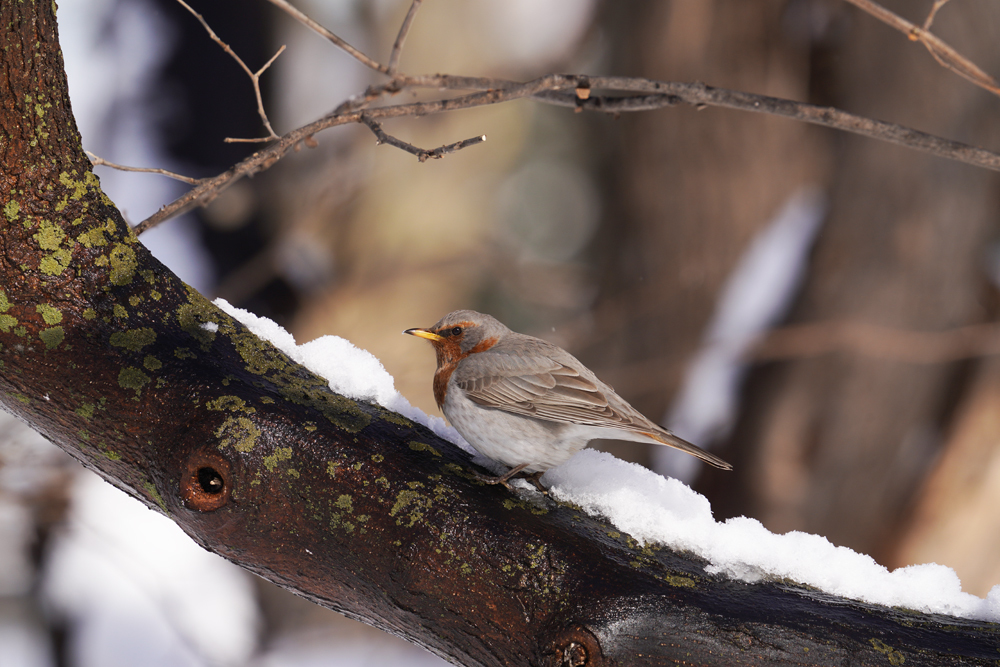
<point x="527" y="403"/>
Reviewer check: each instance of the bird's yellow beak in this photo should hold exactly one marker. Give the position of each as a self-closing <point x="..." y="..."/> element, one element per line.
<point x="424" y="333"/>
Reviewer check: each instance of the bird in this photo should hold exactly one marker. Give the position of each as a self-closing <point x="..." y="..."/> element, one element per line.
<point x="527" y="403"/>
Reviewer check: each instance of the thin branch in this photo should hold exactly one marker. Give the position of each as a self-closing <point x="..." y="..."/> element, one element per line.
<point x="917" y="347"/>
<point x="944" y="54"/>
<point x="254" y="76"/>
<point x="316" y="27"/>
<point x="560" y="90"/>
<point x="397" y="47"/>
<point x="382" y="137"/>
<point x="95" y="160"/>
<point x="938" y="4"/>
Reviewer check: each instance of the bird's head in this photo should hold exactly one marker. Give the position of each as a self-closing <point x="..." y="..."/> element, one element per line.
<point x="461" y="333"/>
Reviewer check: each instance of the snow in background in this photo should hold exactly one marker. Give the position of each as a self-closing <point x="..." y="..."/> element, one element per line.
<point x="756" y="296"/>
<point x="112" y="50"/>
<point x="138" y="591"/>
<point x="661" y="510"/>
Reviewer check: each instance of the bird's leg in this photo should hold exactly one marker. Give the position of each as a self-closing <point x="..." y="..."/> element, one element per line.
<point x="535" y="478"/>
<point x="502" y="479"/>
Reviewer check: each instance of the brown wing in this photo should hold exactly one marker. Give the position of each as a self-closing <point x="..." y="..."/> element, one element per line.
<point x="549" y="387"/>
<point x="545" y="388"/>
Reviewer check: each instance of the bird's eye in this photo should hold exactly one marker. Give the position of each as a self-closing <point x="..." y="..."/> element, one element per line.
<point x="456" y="331"/>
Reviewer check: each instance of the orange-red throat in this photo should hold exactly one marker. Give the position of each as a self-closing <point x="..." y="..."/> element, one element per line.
<point x="448" y="350"/>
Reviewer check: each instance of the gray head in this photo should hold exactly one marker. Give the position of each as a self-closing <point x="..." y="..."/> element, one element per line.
<point x="461" y="333"/>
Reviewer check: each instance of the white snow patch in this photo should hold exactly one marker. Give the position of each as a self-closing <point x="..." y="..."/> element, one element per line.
<point x="660" y="510"/>
<point x="351" y="371"/>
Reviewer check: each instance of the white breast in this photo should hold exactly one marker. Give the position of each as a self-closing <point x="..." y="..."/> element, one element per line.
<point x="512" y="439"/>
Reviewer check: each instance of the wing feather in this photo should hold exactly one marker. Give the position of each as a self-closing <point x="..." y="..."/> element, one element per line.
<point x="546" y="388"/>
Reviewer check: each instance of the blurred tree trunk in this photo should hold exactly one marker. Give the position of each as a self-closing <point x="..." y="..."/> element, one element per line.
<point x="689" y="189"/>
<point x="836" y="445"/>
<point x="839" y="444"/>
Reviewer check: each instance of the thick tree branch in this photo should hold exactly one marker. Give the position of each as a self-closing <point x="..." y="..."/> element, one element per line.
<point x="105" y="352"/>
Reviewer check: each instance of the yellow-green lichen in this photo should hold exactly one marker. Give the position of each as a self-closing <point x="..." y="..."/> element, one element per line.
<point x="112" y="455"/>
<point x="133" y="339"/>
<point x="230" y="404"/>
<point x="4" y="303"/>
<point x="131" y="377"/>
<point x="151" y="363"/>
<point x="49" y="236"/>
<point x="86" y="410"/>
<point x="52" y="336"/>
<point x="55" y="263"/>
<point x="677" y="580"/>
<point x="94" y="238"/>
<point x="280" y="454"/>
<point x="155" y="495"/>
<point x="184" y="353"/>
<point x="331" y="468"/>
<point x="50" y="314"/>
<point x="123" y="262"/>
<point x="417" y="503"/>
<point x="344" y="502"/>
<point x="120" y="312"/>
<point x="423" y="447"/>
<point x="259" y="356"/>
<point x="79" y="187"/>
<point x="395" y="418"/>
<point x="309" y="426"/>
<point x="378" y="458"/>
<point x="89" y="314"/>
<point x="894" y="656"/>
<point x="7" y="322"/>
<point x="510" y="504"/>
<point x="11" y="210"/>
<point x="239" y="432"/>
<point x="134" y="301"/>
<point x="156" y="296"/>
<point x="199" y="318"/>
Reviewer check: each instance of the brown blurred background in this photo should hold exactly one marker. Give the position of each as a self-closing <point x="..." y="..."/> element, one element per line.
<point x="614" y="236"/>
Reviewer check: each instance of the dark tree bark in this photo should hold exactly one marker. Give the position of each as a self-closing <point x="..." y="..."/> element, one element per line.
<point x="109" y="355"/>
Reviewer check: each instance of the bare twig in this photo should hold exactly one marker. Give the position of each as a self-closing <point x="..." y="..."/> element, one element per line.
<point x="422" y="154"/>
<point x="254" y="76"/>
<point x="918" y="347"/>
<point x="95" y="160"/>
<point x="631" y="94"/>
<point x="316" y="27"/>
<point x="944" y="54"/>
<point x="397" y="47"/>
<point x="938" y="4"/>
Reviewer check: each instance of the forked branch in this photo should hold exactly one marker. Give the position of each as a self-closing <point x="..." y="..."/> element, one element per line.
<point x="942" y="52"/>
<point x="382" y="137"/>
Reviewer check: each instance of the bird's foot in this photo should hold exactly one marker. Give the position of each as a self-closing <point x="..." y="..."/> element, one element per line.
<point x="511" y="474"/>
